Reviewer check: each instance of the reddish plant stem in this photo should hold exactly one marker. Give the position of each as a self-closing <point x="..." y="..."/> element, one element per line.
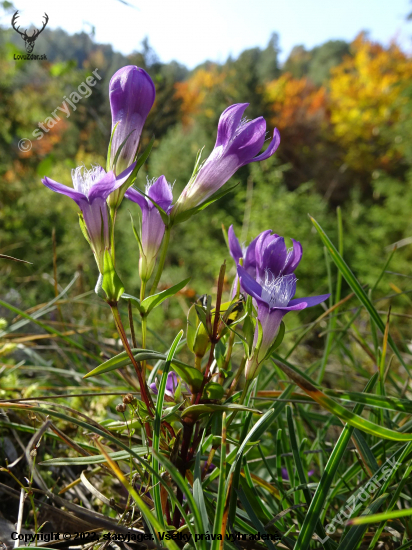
<point x="142" y="382"/>
<point x="214" y="337"/>
<point x="187" y="436"/>
<point x="196" y="440"/>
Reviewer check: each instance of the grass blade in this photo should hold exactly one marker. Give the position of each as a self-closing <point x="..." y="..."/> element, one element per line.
<point x="357" y="289"/>
<point x="316" y="506"/>
<point x="157" y="424"/>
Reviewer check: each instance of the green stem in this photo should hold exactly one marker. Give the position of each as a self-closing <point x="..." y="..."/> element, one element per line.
<point x="162" y="259"/>
<point x="144" y="325"/>
<point x="242" y="398"/>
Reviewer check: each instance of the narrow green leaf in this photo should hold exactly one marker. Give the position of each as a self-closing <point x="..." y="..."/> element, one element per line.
<point x="189" y="374"/>
<point x="198" y="490"/>
<point x="357" y="289"/>
<point x="151" y="302"/>
<point x="221" y="492"/>
<point x="181" y="483"/>
<point x="301" y="474"/>
<point x="351" y="418"/>
<point x="157" y="423"/>
<point x="257" y="524"/>
<point x="135" y="300"/>
<point x="315" y="509"/>
<point x="364" y="450"/>
<point x="196" y="410"/>
<point x="192" y="322"/>
<point x="95" y="459"/>
<point x="355" y="535"/>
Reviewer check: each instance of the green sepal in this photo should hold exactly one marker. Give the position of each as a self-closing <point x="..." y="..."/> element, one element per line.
<point x="203" y="318"/>
<point x="136" y="234"/>
<point x="248" y="330"/>
<point x="119" y="150"/>
<point x="201" y="342"/>
<point x="220" y="352"/>
<point x="279" y="339"/>
<point x="259" y="338"/>
<point x="165" y="217"/>
<point x="139" y="163"/>
<point x="111" y="283"/>
<point x="197" y="163"/>
<point x="84" y="228"/>
<point x="109" y="150"/>
<point x="186" y="214"/>
<point x="192" y="324"/>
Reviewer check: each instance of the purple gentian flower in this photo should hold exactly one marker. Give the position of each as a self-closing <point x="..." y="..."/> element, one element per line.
<point x="152" y="228"/>
<point x="247" y="254"/>
<point x="172" y="385"/>
<point x="273" y="288"/>
<point x="237" y="144"/>
<point x="132" y="94"/>
<point x="91" y="189"/>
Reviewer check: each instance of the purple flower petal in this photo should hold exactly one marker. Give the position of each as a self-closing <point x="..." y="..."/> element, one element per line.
<point x="126" y="173"/>
<point x="272" y="254"/>
<point x="234" y="246"/>
<point x="309" y="302"/>
<point x="274" y="144"/>
<point x="294" y="258"/>
<point x="132" y="94"/>
<point x="134" y="195"/>
<point x="171" y="383"/>
<point x="236" y="145"/>
<point x="249" y="284"/>
<point x="250" y="256"/>
<point x="249" y="141"/>
<point x="154" y="389"/>
<point x="161" y="193"/>
<point x="229" y="122"/>
<point x="64" y="190"/>
<point x="102" y="188"/>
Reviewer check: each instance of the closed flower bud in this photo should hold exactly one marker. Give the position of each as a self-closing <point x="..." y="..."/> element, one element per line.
<point x="120" y="408"/>
<point x="129" y="399"/>
<point x="132" y="94"/>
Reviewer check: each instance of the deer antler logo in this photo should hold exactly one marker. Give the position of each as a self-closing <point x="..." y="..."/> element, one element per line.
<point x="29" y="40"/>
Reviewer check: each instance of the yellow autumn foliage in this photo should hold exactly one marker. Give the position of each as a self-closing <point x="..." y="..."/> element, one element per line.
<point x="365" y="97"/>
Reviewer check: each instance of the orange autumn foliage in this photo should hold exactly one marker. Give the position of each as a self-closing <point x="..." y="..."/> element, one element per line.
<point x="295" y="101"/>
<point x="193" y="92"/>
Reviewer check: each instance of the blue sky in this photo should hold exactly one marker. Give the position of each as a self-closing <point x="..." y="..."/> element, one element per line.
<point x="190" y="31"/>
